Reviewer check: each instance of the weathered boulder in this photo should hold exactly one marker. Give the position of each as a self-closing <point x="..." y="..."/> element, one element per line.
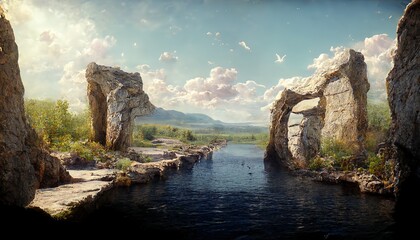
<point x="340" y="113"/>
<point x="115" y="98"/>
<point x="403" y="87"/>
<point x="24" y="165"/>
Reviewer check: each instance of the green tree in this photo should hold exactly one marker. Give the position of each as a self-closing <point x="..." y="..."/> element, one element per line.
<point x="54" y="123"/>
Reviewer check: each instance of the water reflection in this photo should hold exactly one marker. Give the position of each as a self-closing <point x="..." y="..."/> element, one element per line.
<point x="234" y="197"/>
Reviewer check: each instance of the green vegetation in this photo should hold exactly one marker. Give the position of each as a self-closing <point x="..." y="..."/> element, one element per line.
<point x="336" y="149"/>
<point x="149" y="132"/>
<point x="123" y="164"/>
<point x="54" y="123"/>
<point x="144" y="134"/>
<point x="61" y="130"/>
<point x="379" y="119"/>
<point x="318" y="163"/>
<point x="338" y="154"/>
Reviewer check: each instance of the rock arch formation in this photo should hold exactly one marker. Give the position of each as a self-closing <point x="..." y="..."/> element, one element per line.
<point x="340" y="113"/>
<point x="115" y="99"/>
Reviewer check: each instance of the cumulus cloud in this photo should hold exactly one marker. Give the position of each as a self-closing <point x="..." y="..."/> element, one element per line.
<point x="274" y="92"/>
<point x="323" y="61"/>
<point x="55" y="48"/>
<point x="378" y="51"/>
<point x="219" y="93"/>
<point x="168" y="57"/>
<point x="243" y="44"/>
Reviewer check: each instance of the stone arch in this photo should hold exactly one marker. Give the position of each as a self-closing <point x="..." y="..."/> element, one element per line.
<point x="340" y="114"/>
<point x="115" y="99"/>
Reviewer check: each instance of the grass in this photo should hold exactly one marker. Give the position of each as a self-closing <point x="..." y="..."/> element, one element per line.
<point x="144" y="134"/>
<point x="123" y="164"/>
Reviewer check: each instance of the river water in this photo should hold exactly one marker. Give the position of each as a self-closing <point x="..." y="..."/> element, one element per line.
<point x="231" y="196"/>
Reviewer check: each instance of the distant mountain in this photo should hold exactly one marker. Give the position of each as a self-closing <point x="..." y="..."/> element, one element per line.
<point x="195" y="121"/>
<point x="165" y="116"/>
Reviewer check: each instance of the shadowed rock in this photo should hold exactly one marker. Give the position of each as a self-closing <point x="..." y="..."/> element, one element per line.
<point x="24" y="165"/>
<point x="341" y="114"/>
<point x="403" y="86"/>
<point x="115" y="99"/>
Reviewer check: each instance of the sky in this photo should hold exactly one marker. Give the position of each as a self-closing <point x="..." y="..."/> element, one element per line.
<point x="227" y="59"/>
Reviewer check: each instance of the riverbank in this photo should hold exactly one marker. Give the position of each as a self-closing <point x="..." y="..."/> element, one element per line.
<point x="90" y="183"/>
<point x="367" y="183"/>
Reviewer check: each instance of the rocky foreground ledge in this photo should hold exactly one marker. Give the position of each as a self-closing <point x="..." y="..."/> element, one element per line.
<point x="65" y="201"/>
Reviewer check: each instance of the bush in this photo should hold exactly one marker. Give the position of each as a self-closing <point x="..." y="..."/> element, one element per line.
<point x="148" y="132"/>
<point x="379" y="119"/>
<point x="336" y="149"/>
<point x="187" y="135"/>
<point x="55" y="125"/>
<point x="147" y="159"/>
<point x="319" y="163"/>
<point x="379" y="116"/>
<point x="379" y="167"/>
<point x="123" y="164"/>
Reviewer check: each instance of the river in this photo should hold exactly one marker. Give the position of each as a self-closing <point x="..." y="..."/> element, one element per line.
<point x="231" y="196"/>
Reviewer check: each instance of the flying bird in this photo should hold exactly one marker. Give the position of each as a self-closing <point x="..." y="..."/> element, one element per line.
<point x="280" y="59"/>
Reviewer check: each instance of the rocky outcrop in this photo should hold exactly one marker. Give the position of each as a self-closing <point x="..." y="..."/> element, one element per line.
<point x="61" y="202"/>
<point x="340" y="114"/>
<point x="403" y="86"/>
<point x="115" y="99"/>
<point x="24" y="165"/>
<point x="367" y="183"/>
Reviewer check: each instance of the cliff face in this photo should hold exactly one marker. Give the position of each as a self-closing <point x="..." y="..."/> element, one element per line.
<point x="115" y="98"/>
<point x="403" y="86"/>
<point x="24" y="166"/>
<point x="339" y="114"/>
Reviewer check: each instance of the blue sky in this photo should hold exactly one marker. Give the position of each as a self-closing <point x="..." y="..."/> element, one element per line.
<point x="211" y="56"/>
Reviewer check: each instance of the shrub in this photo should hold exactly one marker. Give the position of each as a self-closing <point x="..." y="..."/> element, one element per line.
<point x="123" y="164"/>
<point x="379" y="120"/>
<point x="379" y="116"/>
<point x="187" y="135"/>
<point x="147" y="159"/>
<point x="55" y="125"/>
<point x="379" y="167"/>
<point x="336" y="149"/>
<point x="318" y="163"/>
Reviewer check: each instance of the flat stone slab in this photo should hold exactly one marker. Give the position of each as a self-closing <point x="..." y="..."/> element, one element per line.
<point x="88" y="184"/>
<point x="62" y="199"/>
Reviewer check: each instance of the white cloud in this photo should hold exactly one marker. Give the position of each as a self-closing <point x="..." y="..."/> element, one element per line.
<point x="378" y="51"/>
<point x="217" y="34"/>
<point x="323" y="61"/>
<point x="168" y="57"/>
<point x="209" y="33"/>
<point x="243" y="44"/>
<point x="55" y="46"/>
<point x="280" y="59"/>
<point x="219" y="94"/>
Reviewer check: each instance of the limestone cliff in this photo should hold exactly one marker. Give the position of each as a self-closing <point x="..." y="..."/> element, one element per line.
<point x="115" y="99"/>
<point x="403" y="86"/>
<point x="339" y="114"/>
<point x="24" y="165"/>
